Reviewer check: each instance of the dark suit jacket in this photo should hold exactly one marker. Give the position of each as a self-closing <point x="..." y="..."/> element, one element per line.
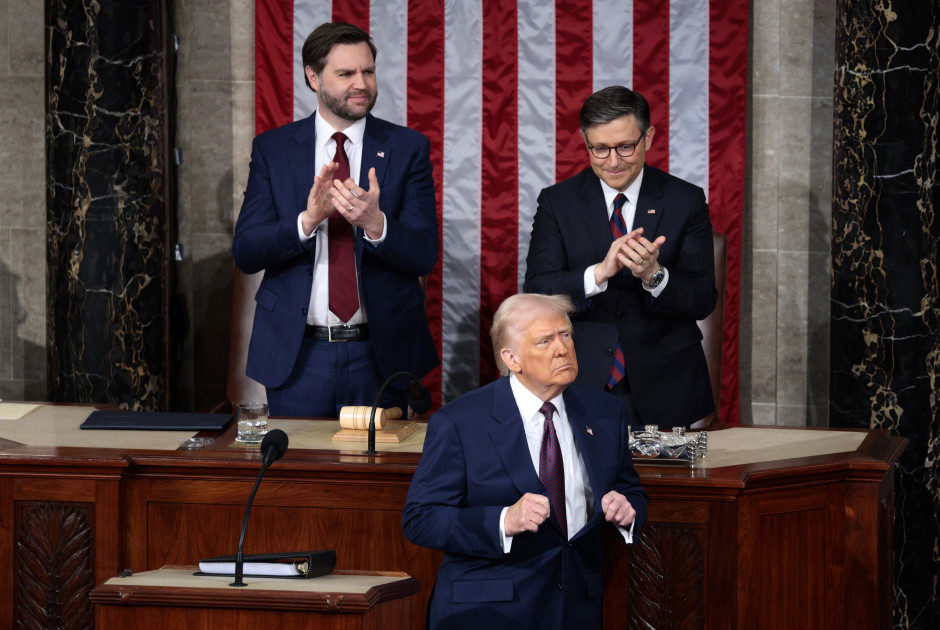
<point x="661" y="341"/>
<point x="476" y="462"/>
<point x="282" y="172"/>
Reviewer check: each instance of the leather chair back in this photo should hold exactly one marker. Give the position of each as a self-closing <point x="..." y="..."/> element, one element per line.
<point x="712" y="327"/>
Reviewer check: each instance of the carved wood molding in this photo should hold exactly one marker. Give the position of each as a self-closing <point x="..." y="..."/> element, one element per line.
<point x="667" y="579"/>
<point x="54" y="559"/>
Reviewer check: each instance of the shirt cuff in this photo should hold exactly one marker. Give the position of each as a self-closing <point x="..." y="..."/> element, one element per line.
<point x="627" y="533"/>
<point x="506" y="541"/>
<point x="662" y="285"/>
<point x="379" y="240"/>
<point x="590" y="287"/>
<point x="300" y="229"/>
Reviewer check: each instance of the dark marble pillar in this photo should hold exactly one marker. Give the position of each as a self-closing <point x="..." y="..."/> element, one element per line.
<point x="885" y="294"/>
<point x="107" y="219"/>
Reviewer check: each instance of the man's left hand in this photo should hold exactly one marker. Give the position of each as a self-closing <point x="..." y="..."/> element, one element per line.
<point x="360" y="207"/>
<point x="641" y="256"/>
<point x="617" y="509"/>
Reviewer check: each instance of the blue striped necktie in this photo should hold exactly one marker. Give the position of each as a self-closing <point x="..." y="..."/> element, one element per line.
<point x="618" y="228"/>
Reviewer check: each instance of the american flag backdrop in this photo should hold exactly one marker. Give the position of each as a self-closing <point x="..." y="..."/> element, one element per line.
<point x="497" y="85"/>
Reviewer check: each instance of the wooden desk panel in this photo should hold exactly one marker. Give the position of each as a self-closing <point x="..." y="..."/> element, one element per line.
<point x="172" y="598"/>
<point x="798" y="542"/>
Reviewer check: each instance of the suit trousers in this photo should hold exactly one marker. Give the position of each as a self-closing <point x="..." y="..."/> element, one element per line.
<point x="330" y="375"/>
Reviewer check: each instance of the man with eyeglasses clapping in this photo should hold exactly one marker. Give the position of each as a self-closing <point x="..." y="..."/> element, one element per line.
<point x="632" y="246"/>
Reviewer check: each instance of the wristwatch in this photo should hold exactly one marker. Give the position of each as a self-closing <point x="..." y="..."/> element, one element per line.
<point x="656" y="279"/>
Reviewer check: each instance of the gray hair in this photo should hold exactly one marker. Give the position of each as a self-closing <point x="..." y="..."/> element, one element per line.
<point x="515" y="312"/>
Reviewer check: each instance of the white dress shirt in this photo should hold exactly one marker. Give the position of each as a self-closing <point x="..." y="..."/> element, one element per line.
<point x="632" y="194"/>
<point x="318" y="311"/>
<point x="579" y="497"/>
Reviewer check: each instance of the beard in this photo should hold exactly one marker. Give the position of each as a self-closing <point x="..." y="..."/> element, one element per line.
<point x="340" y="108"/>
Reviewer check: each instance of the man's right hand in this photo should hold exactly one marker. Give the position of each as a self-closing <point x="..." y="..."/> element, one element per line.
<point x="526" y="514"/>
<point x="608" y="268"/>
<point x="319" y="206"/>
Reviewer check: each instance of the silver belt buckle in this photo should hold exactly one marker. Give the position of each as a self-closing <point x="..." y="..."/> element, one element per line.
<point x="329" y="333"/>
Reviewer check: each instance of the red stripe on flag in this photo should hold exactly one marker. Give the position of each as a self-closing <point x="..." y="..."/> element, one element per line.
<point x="573" y="82"/>
<point x="499" y="194"/>
<point x="355" y="12"/>
<point x="727" y="105"/>
<point x="426" y="114"/>
<point x="651" y="71"/>
<point x="274" y="83"/>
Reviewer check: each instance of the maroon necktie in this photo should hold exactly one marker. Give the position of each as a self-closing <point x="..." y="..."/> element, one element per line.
<point x="618" y="228"/>
<point x="344" y="294"/>
<point x="552" y="468"/>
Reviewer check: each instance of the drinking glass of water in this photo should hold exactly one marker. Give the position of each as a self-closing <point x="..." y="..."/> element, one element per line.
<point x="252" y="422"/>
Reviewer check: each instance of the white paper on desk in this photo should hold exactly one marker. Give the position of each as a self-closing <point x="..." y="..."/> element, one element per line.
<point x="273" y="569"/>
<point x="15" y="411"/>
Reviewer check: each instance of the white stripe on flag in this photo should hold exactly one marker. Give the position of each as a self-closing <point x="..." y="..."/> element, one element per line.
<point x="388" y="27"/>
<point x="613" y="44"/>
<point x="460" y="246"/>
<point x="536" y="33"/>
<point x="308" y="14"/>
<point x="688" y="91"/>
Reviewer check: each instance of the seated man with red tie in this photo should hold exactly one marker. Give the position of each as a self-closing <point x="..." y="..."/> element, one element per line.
<point x="517" y="480"/>
<point x="340" y="214"/>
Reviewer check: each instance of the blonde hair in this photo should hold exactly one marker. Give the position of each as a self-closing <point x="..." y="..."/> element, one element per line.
<point x="515" y="312"/>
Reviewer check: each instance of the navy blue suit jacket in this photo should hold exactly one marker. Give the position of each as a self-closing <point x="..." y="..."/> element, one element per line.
<point x="266" y="238"/>
<point x="661" y="341"/>
<point x="475" y="462"/>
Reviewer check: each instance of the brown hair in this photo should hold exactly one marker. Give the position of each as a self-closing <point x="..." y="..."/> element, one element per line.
<point x="321" y="41"/>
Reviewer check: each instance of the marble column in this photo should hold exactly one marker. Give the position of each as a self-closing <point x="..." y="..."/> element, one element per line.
<point x="885" y="291"/>
<point x="107" y="211"/>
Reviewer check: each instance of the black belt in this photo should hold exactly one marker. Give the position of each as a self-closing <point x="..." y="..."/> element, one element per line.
<point x="357" y="332"/>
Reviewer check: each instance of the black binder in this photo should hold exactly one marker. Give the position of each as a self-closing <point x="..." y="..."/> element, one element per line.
<point x="156" y="421"/>
<point x="308" y="564"/>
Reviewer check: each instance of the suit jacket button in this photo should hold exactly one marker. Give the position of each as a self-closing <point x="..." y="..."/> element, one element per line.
<point x="610" y="352"/>
<point x="309" y="271"/>
<point x="303" y="312"/>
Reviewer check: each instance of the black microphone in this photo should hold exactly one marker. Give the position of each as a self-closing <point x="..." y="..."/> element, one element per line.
<point x="273" y="447"/>
<point x="419" y="399"/>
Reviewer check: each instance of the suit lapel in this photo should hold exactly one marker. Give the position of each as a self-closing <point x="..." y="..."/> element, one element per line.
<point x="302" y="164"/>
<point x="649" y="206"/>
<point x="510" y="442"/>
<point x="579" y="420"/>
<point x="596" y="221"/>
<point x="302" y="160"/>
<point x="375" y="154"/>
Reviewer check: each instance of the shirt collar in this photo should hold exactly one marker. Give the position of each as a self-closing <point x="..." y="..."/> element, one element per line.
<point x="325" y="130"/>
<point x="632" y="192"/>
<point x="528" y="403"/>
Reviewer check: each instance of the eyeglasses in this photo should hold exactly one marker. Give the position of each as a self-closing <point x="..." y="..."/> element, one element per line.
<point x="623" y="150"/>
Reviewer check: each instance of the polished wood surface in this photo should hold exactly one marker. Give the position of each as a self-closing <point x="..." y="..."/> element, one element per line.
<point x="170" y="597"/>
<point x="802" y="542"/>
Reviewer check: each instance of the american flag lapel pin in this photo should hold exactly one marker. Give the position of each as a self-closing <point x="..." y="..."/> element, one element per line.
<point x="589" y="430"/>
<point x="381" y="154"/>
<point x="651" y="211"/>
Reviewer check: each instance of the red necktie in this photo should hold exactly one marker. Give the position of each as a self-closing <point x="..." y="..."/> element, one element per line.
<point x="344" y="293"/>
<point x="552" y="468"/>
<point x="618" y="228"/>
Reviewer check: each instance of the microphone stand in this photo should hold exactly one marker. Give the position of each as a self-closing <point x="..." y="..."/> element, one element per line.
<point x="414" y="383"/>
<point x="276" y="449"/>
